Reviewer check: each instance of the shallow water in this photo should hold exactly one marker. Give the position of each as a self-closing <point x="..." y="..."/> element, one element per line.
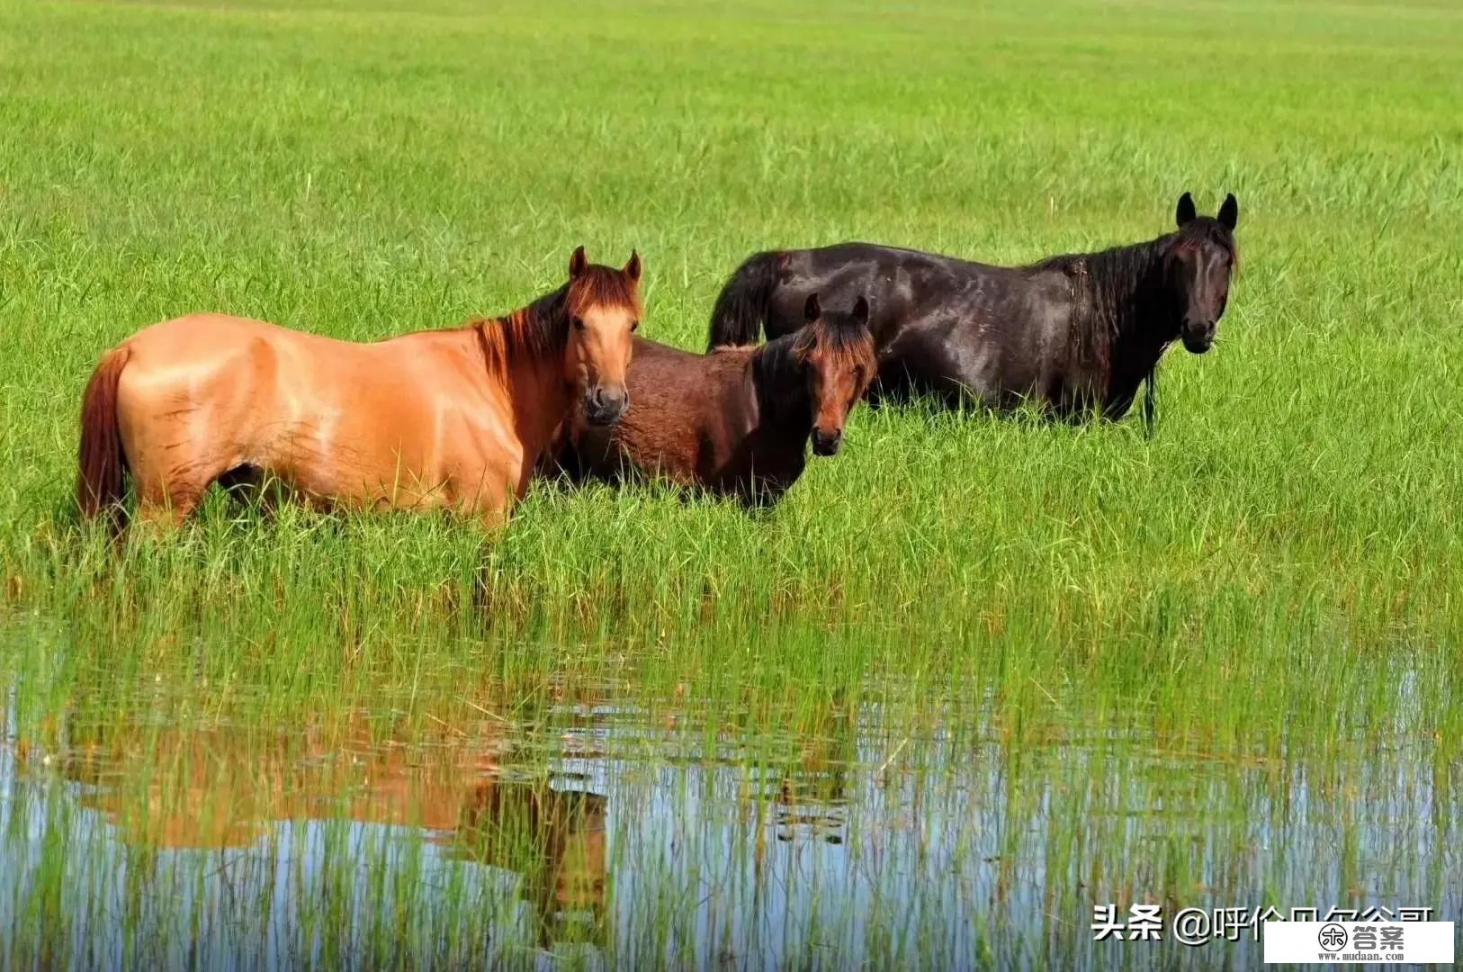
<point x="603" y="838"/>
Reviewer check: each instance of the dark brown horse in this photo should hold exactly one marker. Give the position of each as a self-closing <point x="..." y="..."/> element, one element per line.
<point x="737" y="421"/>
<point x="1076" y="333"/>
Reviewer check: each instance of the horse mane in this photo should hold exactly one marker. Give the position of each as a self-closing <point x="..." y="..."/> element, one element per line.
<point x="842" y="337"/>
<point x="776" y="361"/>
<point x="535" y="332"/>
<point x="1114" y="289"/>
<point x="600" y="286"/>
<point x="1208" y="231"/>
<point x="773" y="364"/>
<point x="1106" y="285"/>
<point x="541" y="330"/>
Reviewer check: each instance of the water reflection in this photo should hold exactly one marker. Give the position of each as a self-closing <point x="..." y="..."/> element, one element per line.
<point x="602" y="838"/>
<point x="223" y="790"/>
<point x="564" y="833"/>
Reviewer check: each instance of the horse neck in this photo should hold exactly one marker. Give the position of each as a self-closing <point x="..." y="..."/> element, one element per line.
<point x="785" y="416"/>
<point x="523" y="352"/>
<point x="1132" y="317"/>
<point x="542" y="400"/>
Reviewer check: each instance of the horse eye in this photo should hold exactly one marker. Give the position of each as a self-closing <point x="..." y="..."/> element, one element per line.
<point x="578" y="323"/>
<point x="634" y="326"/>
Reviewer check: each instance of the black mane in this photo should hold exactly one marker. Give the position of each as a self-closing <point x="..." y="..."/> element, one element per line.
<point x="781" y="391"/>
<point x="1114" y="293"/>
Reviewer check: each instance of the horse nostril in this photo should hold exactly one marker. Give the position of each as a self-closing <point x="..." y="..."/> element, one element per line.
<point x="826" y="443"/>
<point x="605" y="405"/>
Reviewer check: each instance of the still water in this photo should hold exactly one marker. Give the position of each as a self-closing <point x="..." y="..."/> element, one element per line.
<point x="604" y="838"/>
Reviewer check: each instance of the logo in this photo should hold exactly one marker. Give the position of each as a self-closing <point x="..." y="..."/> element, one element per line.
<point x="1412" y="943"/>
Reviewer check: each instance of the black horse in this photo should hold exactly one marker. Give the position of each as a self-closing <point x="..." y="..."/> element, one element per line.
<point x="1077" y="333"/>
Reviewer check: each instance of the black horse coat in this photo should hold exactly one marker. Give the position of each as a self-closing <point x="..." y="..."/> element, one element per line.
<point x="1079" y="333"/>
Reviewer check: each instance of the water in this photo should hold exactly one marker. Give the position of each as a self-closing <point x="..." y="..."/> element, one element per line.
<point x="603" y="839"/>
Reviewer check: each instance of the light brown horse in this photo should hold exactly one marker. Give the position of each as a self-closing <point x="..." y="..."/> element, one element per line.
<point x="451" y="419"/>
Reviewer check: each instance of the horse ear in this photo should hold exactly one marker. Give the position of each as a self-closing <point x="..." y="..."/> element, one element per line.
<point x="632" y="269"/>
<point x="861" y="311"/>
<point x="1186" y="211"/>
<point x="1229" y="212"/>
<point x="578" y="263"/>
<point x="812" y="310"/>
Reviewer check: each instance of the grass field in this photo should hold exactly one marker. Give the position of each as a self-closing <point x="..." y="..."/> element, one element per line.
<point x="973" y="677"/>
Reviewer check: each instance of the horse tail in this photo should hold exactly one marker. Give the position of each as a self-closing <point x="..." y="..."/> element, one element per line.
<point x="100" y="486"/>
<point x="741" y="307"/>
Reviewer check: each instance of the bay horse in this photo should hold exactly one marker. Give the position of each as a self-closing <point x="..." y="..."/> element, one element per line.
<point x="735" y="422"/>
<point x="451" y="419"/>
<point x="1077" y="334"/>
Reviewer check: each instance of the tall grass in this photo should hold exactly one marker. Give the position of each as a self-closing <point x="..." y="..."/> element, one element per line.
<point x="1072" y="664"/>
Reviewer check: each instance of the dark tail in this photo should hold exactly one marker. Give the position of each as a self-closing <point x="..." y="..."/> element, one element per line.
<point x="741" y="308"/>
<point x="103" y="478"/>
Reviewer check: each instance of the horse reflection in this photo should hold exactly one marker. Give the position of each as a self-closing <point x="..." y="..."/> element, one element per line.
<point x="808" y="796"/>
<point x="213" y="791"/>
<point x="554" y="838"/>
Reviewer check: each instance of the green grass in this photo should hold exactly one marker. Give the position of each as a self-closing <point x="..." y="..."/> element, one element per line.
<point x="1055" y="666"/>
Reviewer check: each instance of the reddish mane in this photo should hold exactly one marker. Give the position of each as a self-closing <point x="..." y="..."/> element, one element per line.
<point x="542" y="328"/>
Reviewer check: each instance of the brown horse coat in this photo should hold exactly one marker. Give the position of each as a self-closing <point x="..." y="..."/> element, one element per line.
<point x="454" y="418"/>
<point x="736" y="421"/>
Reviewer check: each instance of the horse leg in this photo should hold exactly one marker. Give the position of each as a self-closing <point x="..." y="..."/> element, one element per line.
<point x="242" y="483"/>
<point x="168" y="499"/>
<point x="494" y="521"/>
<point x="167" y="506"/>
<point x="487" y="505"/>
<point x="493" y="507"/>
<point x="178" y="442"/>
<point x="489" y="498"/>
<point x="252" y="487"/>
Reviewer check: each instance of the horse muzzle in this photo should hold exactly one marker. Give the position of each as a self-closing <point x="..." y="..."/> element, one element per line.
<point x="1198" y="338"/>
<point x="604" y="406"/>
<point x="826" y="443"/>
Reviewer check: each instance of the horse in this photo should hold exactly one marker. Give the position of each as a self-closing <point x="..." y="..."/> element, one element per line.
<point x="1077" y="333"/>
<point x="736" y="422"/>
<point x="453" y="418"/>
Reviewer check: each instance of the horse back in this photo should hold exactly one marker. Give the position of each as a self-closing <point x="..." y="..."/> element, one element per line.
<point x="943" y="325"/>
<point x="360" y="423"/>
<point x="216" y="362"/>
<point x="901" y="284"/>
